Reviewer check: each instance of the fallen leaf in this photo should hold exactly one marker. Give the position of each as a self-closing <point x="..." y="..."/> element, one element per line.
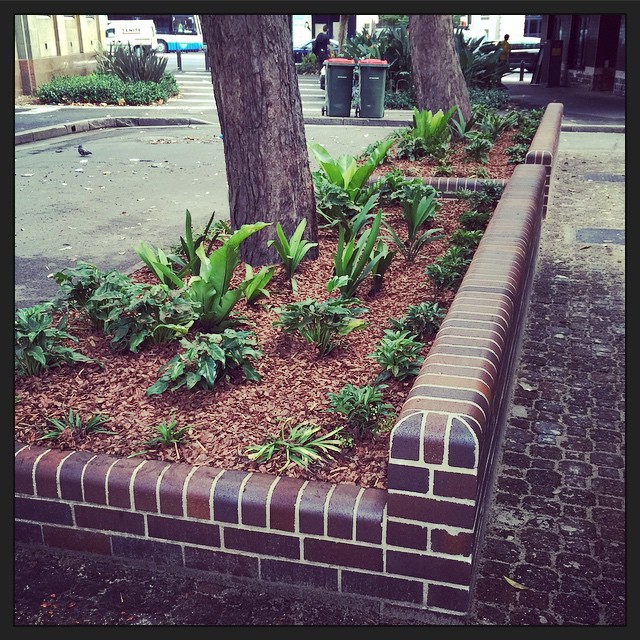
<point x="27" y="175"/>
<point x="514" y="584"/>
<point x="526" y="387"/>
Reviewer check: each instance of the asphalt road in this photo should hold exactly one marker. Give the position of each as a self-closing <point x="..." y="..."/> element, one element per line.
<point x="136" y="186"/>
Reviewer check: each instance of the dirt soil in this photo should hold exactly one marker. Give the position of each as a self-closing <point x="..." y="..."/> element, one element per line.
<point x="295" y="380"/>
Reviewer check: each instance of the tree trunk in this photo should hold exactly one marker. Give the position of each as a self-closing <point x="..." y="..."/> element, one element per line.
<point x="342" y="33"/>
<point x="260" y="112"/>
<point x="437" y="76"/>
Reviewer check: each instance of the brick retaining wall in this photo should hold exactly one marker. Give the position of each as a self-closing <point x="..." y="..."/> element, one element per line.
<point x="411" y="546"/>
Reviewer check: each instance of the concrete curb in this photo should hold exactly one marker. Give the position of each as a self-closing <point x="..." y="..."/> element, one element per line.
<point x="45" y="133"/>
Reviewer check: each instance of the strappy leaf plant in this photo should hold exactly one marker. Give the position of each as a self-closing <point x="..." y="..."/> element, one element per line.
<point x="256" y="287"/>
<point x="417" y="214"/>
<point x="422" y="319"/>
<point x="168" y="434"/>
<point x="383" y="258"/>
<point x="75" y="426"/>
<point x="355" y="260"/>
<point x="345" y="172"/>
<point x="211" y="287"/>
<point x="301" y="446"/>
<point x="292" y="250"/>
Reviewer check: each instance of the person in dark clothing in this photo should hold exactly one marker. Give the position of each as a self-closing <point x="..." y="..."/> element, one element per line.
<point x="321" y="46"/>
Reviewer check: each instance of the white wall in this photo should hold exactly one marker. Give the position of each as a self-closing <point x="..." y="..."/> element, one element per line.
<point x="495" y="26"/>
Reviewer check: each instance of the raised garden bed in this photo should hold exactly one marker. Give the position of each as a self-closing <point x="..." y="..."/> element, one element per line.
<point x="397" y="522"/>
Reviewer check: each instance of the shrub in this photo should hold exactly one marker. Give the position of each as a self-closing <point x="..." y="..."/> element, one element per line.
<point x="422" y="318"/>
<point x="208" y="358"/>
<point x="363" y="407"/>
<point x="73" y="425"/>
<point x="131" y="64"/>
<point x="38" y="345"/>
<point x="321" y="323"/>
<point x="292" y="250"/>
<point x="398" y="353"/>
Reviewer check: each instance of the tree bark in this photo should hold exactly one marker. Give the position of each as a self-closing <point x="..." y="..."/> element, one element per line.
<point x="437" y="76"/>
<point x="342" y="33"/>
<point x="260" y="112"/>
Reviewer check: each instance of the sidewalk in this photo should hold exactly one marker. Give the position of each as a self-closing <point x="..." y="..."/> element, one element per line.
<point x="556" y="521"/>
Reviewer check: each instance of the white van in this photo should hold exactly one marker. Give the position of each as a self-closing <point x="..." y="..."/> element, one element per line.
<point x="137" y="33"/>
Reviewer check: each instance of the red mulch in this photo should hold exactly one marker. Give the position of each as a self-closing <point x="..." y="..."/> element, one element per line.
<point x="295" y="381"/>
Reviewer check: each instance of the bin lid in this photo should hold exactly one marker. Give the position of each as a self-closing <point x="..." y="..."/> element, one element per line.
<point x="375" y="61"/>
<point x="340" y="61"/>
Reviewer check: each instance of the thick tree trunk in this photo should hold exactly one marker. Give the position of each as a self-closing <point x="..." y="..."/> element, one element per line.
<point x="342" y="34"/>
<point x="437" y="76"/>
<point x="260" y="112"/>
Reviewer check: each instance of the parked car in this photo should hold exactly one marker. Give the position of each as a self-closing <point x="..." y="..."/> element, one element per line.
<point x="523" y="49"/>
<point x="305" y="49"/>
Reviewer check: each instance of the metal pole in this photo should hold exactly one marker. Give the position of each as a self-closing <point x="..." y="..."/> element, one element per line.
<point x="521" y="70"/>
<point x="179" y="59"/>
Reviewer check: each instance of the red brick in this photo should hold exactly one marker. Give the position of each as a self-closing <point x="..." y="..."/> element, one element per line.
<point x="75" y="540"/>
<point x="300" y="574"/>
<point x="343" y="554"/>
<point x="109" y="519"/>
<point x="71" y="475"/>
<point x="370" y="515"/>
<point x="269" y="544"/>
<point x="282" y="508"/>
<point x="312" y="507"/>
<point x="172" y="488"/>
<point x="183" y="531"/>
<point x="145" y="486"/>
<point x="254" y="499"/>
<point x="226" y="496"/>
<point x="238" y="565"/>
<point x="455" y="485"/>
<point x="383" y="587"/>
<point x="428" y="567"/>
<point x="419" y="509"/>
<point x="443" y="597"/>
<point x="341" y="511"/>
<point x="402" y="534"/>
<point x="199" y="493"/>
<point x="42" y="510"/>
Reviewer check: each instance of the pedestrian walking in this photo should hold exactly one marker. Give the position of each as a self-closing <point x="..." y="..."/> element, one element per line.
<point x="321" y="46"/>
<point x="506" y="48"/>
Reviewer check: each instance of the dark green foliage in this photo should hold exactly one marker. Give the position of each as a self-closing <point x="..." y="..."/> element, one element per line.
<point x="132" y="64"/>
<point x="208" y="358"/>
<point x="517" y="153"/>
<point x="39" y="345"/>
<point x="474" y="220"/>
<point x="496" y="98"/>
<point x="480" y="69"/>
<point x="478" y="146"/>
<point x="74" y="425"/>
<point x="321" y="323"/>
<point x="363" y="407"/>
<point x="421" y="319"/>
<point x="78" y="284"/>
<point x="398" y="353"/>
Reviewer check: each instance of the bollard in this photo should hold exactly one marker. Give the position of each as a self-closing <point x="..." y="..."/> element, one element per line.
<point x="521" y="70"/>
<point x="207" y="64"/>
<point x="179" y="59"/>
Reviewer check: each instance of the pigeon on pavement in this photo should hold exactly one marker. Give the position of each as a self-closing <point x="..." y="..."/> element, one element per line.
<point x="82" y="151"/>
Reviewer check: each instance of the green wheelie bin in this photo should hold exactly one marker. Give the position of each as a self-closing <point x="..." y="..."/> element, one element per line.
<point x="373" y="81"/>
<point x="339" y="86"/>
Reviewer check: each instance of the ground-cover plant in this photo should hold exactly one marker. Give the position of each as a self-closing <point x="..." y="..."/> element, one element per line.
<point x="256" y="287"/>
<point x="363" y="407"/>
<point x="345" y="172"/>
<point x="321" y="323"/>
<point x="417" y="215"/>
<point x="73" y="425"/>
<point x="208" y="358"/>
<point x="429" y="135"/>
<point x="168" y="434"/>
<point x="355" y="260"/>
<point x="398" y="354"/>
<point x="39" y="344"/>
<point x="141" y="312"/>
<point x="468" y="240"/>
<point x="211" y="288"/>
<point x="300" y="446"/>
<point x="421" y="319"/>
<point x="77" y="284"/>
<point x="478" y="146"/>
<point x="292" y="250"/>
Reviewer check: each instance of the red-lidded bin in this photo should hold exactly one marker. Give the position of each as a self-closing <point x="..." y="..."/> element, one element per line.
<point x="373" y="82"/>
<point x="339" y="86"/>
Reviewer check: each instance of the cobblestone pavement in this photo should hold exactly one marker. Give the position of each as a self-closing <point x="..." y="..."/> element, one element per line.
<point x="557" y="523"/>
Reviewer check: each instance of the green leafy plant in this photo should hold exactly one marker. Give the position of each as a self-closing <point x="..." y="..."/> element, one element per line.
<point x="484" y="198"/>
<point x="493" y="124"/>
<point x="159" y="264"/>
<point x="355" y="259"/>
<point x="478" y="147"/>
<point x="73" y="425"/>
<point x="292" y="250"/>
<point x="77" y="284"/>
<point x="345" y="172"/>
<point x="398" y="353"/>
<point x="301" y="446"/>
<point x="383" y="257"/>
<point x="443" y="168"/>
<point x="131" y="64"/>
<point x="168" y="435"/>
<point x="256" y="287"/>
<point x="416" y="215"/>
<point x="459" y="125"/>
<point x="432" y="127"/>
<point x="448" y="270"/>
<point x="473" y="220"/>
<point x="468" y="240"/>
<point x="39" y="345"/>
<point x="321" y="323"/>
<point x="363" y="407"/>
<point x="211" y="287"/>
<point x="480" y="68"/>
<point x="421" y="319"/>
<point x="208" y="358"/>
<point x="517" y="153"/>
<point x="140" y="313"/>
